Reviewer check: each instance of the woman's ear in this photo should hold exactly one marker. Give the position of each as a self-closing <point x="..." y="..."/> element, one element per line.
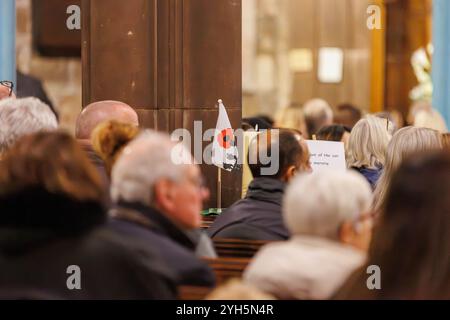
<point x="356" y="235"/>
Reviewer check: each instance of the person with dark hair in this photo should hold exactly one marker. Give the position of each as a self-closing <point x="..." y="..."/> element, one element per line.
<point x="411" y="241"/>
<point x="52" y="219"/>
<point x="347" y="115"/>
<point x="267" y="119"/>
<point x="336" y="132"/>
<point x="274" y="157"/>
<point x="257" y="123"/>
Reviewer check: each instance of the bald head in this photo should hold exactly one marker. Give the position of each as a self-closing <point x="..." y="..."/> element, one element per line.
<point x="101" y="111"/>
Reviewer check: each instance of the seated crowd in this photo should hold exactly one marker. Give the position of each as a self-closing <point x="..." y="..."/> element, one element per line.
<point x="113" y="202"/>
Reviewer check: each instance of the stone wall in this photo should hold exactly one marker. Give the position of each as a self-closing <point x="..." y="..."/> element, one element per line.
<point x="61" y="76"/>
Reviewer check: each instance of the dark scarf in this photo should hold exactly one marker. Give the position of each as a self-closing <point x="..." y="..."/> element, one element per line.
<point x="152" y="219"/>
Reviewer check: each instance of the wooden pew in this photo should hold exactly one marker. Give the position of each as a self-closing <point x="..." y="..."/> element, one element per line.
<point x="237" y="247"/>
<point x="207" y="221"/>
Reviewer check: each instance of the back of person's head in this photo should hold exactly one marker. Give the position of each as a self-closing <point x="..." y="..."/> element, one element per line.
<point x="110" y="137"/>
<point x="258" y="123"/>
<point x="404" y="143"/>
<point x="102" y="111"/>
<point x="267" y="119"/>
<point x="431" y="119"/>
<point x="19" y="117"/>
<point x="347" y="115"/>
<point x="278" y="154"/>
<point x="389" y="120"/>
<point x="418" y="106"/>
<point x="292" y="118"/>
<point x="48" y="167"/>
<point x="153" y="171"/>
<point x="334" y="132"/>
<point x="411" y="242"/>
<point x="326" y="204"/>
<point x="318" y="114"/>
<point x="367" y="143"/>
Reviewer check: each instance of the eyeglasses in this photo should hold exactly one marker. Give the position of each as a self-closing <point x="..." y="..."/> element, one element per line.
<point x="9" y="85"/>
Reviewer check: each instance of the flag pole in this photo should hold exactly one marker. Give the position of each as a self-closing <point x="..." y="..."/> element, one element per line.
<point x="219" y="190"/>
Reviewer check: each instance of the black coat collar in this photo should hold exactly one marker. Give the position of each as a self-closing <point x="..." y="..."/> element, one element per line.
<point x="266" y="189"/>
<point x="34" y="217"/>
<point x="156" y="221"/>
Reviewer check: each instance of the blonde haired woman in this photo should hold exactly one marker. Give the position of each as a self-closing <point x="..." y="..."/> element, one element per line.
<point x="406" y="141"/>
<point x="367" y="148"/>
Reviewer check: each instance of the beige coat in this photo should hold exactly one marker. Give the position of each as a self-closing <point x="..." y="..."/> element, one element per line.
<point x="303" y="268"/>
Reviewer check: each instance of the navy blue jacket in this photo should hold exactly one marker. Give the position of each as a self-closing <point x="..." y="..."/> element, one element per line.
<point x="371" y="175"/>
<point x="257" y="217"/>
<point x="174" y="246"/>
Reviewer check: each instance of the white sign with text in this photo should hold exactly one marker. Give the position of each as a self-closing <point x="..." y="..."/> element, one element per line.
<point x="327" y="155"/>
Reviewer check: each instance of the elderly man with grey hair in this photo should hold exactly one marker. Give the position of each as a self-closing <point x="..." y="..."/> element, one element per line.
<point x="318" y="114"/>
<point x="20" y="117"/>
<point x="328" y="215"/>
<point x="158" y="193"/>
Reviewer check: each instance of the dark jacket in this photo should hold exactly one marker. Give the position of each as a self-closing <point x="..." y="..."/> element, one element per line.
<point x="257" y="217"/>
<point x="42" y="234"/>
<point x="175" y="246"/>
<point x="371" y="175"/>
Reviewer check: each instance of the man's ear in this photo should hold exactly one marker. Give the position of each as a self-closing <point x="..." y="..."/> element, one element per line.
<point x="163" y="195"/>
<point x="290" y="173"/>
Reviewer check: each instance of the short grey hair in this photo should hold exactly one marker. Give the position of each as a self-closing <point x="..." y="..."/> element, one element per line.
<point x="317" y="112"/>
<point x="20" y="117"/>
<point x="319" y="203"/>
<point x="147" y="159"/>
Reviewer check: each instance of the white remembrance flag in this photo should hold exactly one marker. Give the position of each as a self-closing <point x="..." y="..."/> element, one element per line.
<point x="224" y="150"/>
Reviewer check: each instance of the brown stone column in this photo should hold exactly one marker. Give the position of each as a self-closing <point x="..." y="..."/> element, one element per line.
<point x="171" y="60"/>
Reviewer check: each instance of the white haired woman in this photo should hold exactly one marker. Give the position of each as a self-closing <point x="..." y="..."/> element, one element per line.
<point x="405" y="142"/>
<point x="327" y="214"/>
<point x="367" y="148"/>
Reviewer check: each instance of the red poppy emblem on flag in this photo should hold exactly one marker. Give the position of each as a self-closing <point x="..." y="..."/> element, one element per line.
<point x="226" y="138"/>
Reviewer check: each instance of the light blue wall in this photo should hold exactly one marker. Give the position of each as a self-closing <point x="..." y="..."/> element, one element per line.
<point x="441" y="57"/>
<point x="8" y="40"/>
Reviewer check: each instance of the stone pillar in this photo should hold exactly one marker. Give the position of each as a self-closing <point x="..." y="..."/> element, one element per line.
<point x="169" y="59"/>
<point x="8" y="40"/>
